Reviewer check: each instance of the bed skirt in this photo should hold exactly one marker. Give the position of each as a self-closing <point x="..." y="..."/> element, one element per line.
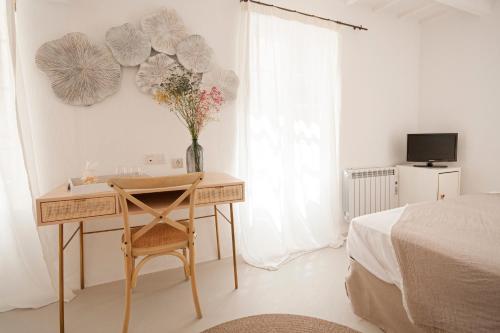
<point x="377" y="301"/>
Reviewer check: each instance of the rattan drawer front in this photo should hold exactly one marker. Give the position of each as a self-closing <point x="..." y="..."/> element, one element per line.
<point x="208" y="195"/>
<point x="74" y="209"/>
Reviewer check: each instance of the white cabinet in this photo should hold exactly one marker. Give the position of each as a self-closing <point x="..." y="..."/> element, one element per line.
<point x="418" y="184"/>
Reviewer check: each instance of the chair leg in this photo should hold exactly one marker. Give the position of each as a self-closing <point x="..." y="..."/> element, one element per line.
<point x="186" y="267"/>
<point x="193" y="281"/>
<point x="128" y="292"/>
<point x="133" y="283"/>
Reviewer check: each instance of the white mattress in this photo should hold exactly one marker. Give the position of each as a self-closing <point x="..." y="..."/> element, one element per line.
<point x="369" y="243"/>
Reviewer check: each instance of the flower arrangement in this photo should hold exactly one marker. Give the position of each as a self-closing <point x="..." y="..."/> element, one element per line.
<point x="193" y="106"/>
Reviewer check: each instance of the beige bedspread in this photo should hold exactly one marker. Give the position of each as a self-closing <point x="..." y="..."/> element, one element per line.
<point x="449" y="255"/>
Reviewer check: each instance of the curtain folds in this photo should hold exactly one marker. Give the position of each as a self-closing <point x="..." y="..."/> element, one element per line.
<point x="287" y="123"/>
<point x="25" y="282"/>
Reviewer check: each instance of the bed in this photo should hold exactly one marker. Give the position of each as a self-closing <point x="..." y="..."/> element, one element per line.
<point x="430" y="267"/>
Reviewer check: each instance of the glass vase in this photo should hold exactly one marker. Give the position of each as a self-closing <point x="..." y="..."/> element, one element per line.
<point x="194" y="157"/>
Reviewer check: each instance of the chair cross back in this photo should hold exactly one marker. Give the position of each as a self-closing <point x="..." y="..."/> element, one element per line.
<point x="160" y="184"/>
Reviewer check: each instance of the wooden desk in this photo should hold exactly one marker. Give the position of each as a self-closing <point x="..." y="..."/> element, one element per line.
<point x="61" y="206"/>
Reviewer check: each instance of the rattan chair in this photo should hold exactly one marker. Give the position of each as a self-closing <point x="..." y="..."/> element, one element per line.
<point x="162" y="236"/>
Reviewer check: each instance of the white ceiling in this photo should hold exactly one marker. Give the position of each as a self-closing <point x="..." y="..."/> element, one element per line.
<point x="423" y="10"/>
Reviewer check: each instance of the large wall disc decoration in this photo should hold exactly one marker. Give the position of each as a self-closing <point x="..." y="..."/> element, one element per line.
<point x="156" y="70"/>
<point x="225" y="80"/>
<point x="81" y="72"/>
<point x="165" y="29"/>
<point x="195" y="54"/>
<point x="129" y="45"/>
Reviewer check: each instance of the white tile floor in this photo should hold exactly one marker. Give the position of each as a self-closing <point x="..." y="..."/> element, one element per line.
<point x="311" y="285"/>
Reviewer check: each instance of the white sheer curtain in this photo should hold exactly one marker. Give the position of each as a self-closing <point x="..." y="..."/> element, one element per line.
<point x="287" y="135"/>
<point x="24" y="277"/>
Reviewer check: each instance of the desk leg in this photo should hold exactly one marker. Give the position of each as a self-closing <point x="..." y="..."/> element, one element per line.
<point x="82" y="257"/>
<point x="216" y="219"/>
<point x="61" y="278"/>
<point x="234" y="247"/>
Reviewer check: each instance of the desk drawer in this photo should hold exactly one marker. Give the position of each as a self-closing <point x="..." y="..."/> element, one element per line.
<point x="79" y="208"/>
<point x="209" y="195"/>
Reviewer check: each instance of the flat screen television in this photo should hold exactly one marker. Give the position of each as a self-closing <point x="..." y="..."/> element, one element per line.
<point x="432" y="147"/>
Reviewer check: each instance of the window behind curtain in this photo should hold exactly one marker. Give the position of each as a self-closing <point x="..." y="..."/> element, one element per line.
<point x="290" y="137"/>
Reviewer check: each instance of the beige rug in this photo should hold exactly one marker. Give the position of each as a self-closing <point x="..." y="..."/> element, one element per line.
<point x="279" y="323"/>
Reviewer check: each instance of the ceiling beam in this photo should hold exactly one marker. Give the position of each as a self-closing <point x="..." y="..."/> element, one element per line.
<point x="475" y="7"/>
<point x="417" y="10"/>
<point x="433" y="16"/>
<point x="385" y="5"/>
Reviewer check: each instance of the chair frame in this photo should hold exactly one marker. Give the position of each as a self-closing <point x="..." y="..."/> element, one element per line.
<point x="127" y="187"/>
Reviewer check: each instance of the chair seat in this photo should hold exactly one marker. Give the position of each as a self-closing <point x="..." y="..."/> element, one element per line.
<point x="162" y="237"/>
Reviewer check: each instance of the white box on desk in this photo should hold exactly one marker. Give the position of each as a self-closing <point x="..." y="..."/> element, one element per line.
<point x="77" y="185"/>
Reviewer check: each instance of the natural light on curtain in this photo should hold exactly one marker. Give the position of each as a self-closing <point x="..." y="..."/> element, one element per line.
<point x="287" y="126"/>
<point x="23" y="273"/>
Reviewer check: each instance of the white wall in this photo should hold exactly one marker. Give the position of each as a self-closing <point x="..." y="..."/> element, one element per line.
<point x="460" y="92"/>
<point x="379" y="103"/>
<point x="122" y="128"/>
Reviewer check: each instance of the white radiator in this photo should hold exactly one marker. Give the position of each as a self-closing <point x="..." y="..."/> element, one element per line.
<point x="367" y="191"/>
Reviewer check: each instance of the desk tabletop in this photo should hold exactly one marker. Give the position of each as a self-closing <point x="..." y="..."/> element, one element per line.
<point x="210" y="179"/>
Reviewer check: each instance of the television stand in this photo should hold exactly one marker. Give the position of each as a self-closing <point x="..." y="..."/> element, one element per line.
<point x="427" y="184"/>
<point x="430" y="165"/>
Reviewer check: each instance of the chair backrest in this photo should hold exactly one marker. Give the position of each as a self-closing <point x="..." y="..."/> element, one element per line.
<point x="130" y="188"/>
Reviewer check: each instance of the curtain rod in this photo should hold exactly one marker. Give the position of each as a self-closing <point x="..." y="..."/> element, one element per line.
<point x="355" y="27"/>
